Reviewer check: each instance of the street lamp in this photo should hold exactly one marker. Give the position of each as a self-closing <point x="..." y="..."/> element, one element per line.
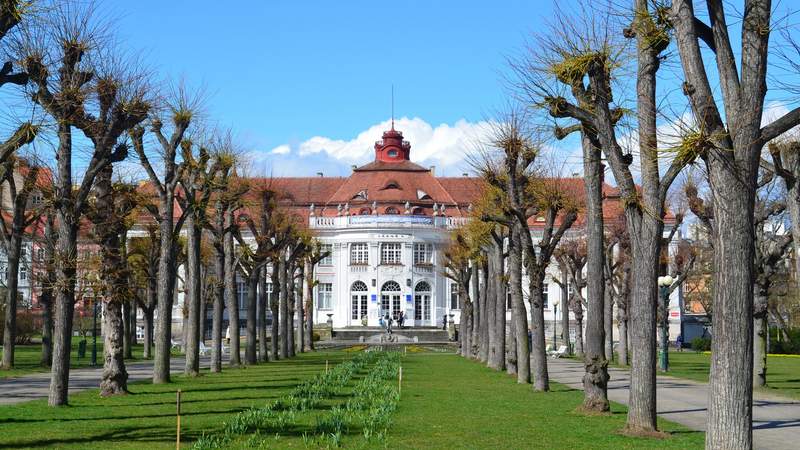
<point x="555" y="322"/>
<point x="664" y="284"/>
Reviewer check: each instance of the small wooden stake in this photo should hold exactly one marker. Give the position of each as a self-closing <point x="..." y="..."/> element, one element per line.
<point x="178" y="435"/>
<point x="326" y="366"/>
<point x="400" y="381"/>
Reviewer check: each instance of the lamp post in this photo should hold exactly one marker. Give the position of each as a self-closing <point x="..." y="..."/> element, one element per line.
<point x="663" y="288"/>
<point x="555" y="322"/>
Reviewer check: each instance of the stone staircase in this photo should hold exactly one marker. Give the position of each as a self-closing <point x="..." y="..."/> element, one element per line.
<point x="373" y="334"/>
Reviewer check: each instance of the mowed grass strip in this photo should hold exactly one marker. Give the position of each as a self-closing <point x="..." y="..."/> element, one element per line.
<point x="783" y="372"/>
<point x="146" y="417"/>
<point x="448" y="402"/>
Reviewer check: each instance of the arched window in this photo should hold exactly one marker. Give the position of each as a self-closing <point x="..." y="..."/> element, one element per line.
<point x="392" y="153"/>
<point x="417" y="211"/>
<point x="364" y="211"/>
<point x="392" y="210"/>
<point x="423" y="286"/>
<point x="359" y="286"/>
<point x="392" y="184"/>
<point x="390" y="286"/>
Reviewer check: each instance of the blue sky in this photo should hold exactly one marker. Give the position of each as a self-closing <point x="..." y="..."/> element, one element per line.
<point x="281" y="72"/>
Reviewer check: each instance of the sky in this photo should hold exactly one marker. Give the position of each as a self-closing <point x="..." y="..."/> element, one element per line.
<point x="306" y="85"/>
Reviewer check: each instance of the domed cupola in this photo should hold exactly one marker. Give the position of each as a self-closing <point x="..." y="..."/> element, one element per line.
<point x="392" y="148"/>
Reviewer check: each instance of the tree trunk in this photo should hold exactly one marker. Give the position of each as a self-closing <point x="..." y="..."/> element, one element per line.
<point x="596" y="377"/>
<point x="290" y="302"/>
<point x="608" y="318"/>
<point x="219" y="306"/>
<point x="277" y="291"/>
<point x="283" y="321"/>
<point x="192" y="297"/>
<point x="125" y="316"/>
<point x="114" y="380"/>
<point x="250" y="356"/>
<point x="148" y="333"/>
<point x="622" y="349"/>
<point x="166" y="291"/>
<point x="565" y="337"/>
<point x="518" y="306"/>
<point x="498" y="318"/>
<point x="541" y="379"/>
<point x="642" y="322"/>
<point x="760" y="339"/>
<point x="578" y="312"/>
<point x="465" y="334"/>
<point x="263" y="356"/>
<point x="231" y="300"/>
<point x="488" y="312"/>
<point x="477" y="301"/>
<point x="298" y="306"/>
<point x="46" y="300"/>
<point x="10" y="331"/>
<point x="309" y="297"/>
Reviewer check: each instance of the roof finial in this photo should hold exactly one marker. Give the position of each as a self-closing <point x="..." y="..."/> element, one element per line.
<point x="392" y="106"/>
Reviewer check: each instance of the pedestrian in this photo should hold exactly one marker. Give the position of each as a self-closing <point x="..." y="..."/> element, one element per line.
<point x="679" y="343"/>
<point x="401" y="320"/>
<point x="228" y="335"/>
<point x="381" y="323"/>
<point x="389" y="321"/>
<point x="444" y="323"/>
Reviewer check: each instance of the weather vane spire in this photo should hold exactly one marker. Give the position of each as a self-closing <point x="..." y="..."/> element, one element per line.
<point x="392" y="106"/>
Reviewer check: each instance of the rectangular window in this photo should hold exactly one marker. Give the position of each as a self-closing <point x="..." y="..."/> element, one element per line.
<point x="324" y="295"/>
<point x="241" y="294"/>
<point x="508" y="299"/>
<point x="359" y="253"/>
<point x="545" y="295"/>
<point x="455" y="301"/>
<point x="423" y="253"/>
<point x="359" y="307"/>
<point x="391" y="252"/>
<point x="269" y="294"/>
<point x="23" y="273"/>
<point x="40" y="254"/>
<point x="328" y="260"/>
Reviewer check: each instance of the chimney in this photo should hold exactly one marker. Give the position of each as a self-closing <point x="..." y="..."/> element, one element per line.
<point x="354" y="167"/>
<point x="319" y="174"/>
<point x="433" y="170"/>
<point x="576" y="174"/>
<point x="465" y="174"/>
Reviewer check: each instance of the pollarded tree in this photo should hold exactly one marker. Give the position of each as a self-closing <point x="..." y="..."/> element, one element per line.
<point x="12" y="233"/>
<point x="618" y="281"/>
<point x="143" y="259"/>
<point x="228" y="191"/>
<point x="313" y="257"/>
<point x="730" y="140"/>
<point x="198" y="178"/>
<point x="113" y="203"/>
<point x="103" y="101"/>
<point x="458" y="260"/>
<point x="571" y="255"/>
<point x="179" y="111"/>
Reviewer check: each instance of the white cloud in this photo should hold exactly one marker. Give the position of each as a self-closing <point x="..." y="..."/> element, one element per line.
<point x="443" y="145"/>
<point x="281" y="150"/>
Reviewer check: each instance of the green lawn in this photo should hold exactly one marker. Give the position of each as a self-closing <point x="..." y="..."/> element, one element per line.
<point x="447" y="402"/>
<point x="783" y="372"/>
<point x="27" y="357"/>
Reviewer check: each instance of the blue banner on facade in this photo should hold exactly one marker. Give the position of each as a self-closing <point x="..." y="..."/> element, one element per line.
<point x="391" y="219"/>
<point x="374" y="298"/>
<point x="408" y="298"/>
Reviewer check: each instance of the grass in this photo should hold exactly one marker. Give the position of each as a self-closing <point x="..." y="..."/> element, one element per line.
<point x="783" y="372"/>
<point x="27" y="357"/>
<point x="447" y="402"/>
<point x="146" y="417"/>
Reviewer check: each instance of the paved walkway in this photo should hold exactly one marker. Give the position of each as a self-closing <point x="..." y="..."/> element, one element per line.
<point x="36" y="386"/>
<point x="776" y="421"/>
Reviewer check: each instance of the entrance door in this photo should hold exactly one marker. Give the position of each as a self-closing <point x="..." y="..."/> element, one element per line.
<point x="422" y="304"/>
<point x="358" y="304"/>
<point x="390" y="299"/>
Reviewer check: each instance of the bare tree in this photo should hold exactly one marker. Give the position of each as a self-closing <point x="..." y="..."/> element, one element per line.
<point x="571" y="254"/>
<point x="11" y="237"/>
<point x="180" y="111"/>
<point x="143" y="258"/>
<point x="103" y="104"/>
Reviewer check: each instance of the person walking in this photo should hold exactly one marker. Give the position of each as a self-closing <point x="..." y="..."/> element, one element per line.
<point x="401" y="320"/>
<point x="389" y="321"/>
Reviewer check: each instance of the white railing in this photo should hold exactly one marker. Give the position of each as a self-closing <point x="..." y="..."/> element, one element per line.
<point x="358" y="268"/>
<point x="387" y="221"/>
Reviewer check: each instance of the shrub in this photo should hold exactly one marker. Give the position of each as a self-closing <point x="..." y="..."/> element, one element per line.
<point x="778" y="344"/>
<point x="315" y="337"/>
<point x="701" y="344"/>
